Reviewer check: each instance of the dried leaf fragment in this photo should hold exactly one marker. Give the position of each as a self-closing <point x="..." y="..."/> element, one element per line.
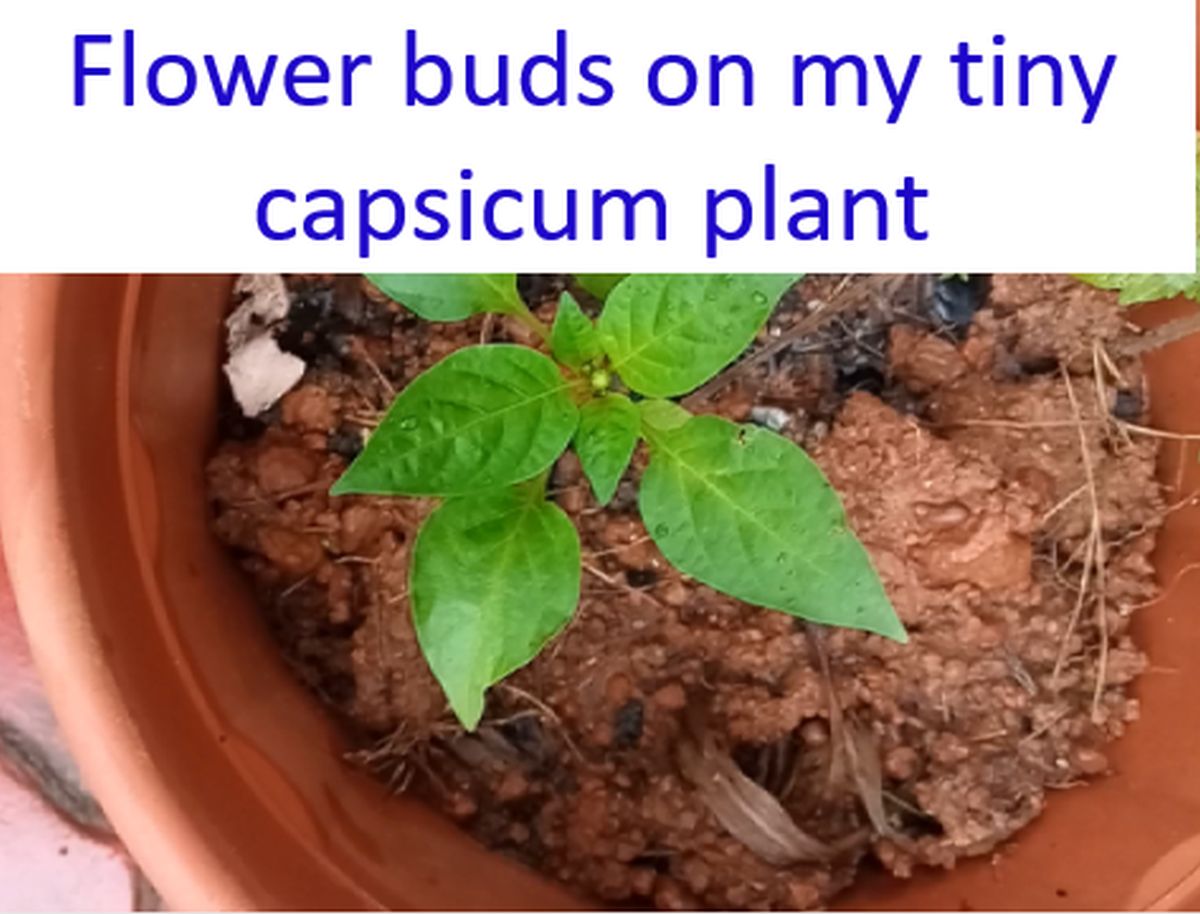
<point x="746" y="810"/>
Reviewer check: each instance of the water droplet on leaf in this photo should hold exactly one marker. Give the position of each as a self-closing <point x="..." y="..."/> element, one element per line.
<point x="662" y="530"/>
<point x="408" y="423"/>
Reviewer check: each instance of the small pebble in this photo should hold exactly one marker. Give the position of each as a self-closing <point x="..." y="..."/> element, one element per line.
<point x="310" y="408"/>
<point x="814" y="732"/>
<point x="676" y="593"/>
<point x="771" y="417"/>
<point x="1090" y="761"/>
<point x="669" y="895"/>
<point x="642" y="881"/>
<point x="461" y="806"/>
<point x="618" y="690"/>
<point x="297" y="554"/>
<point x="696" y="874"/>
<point x="282" y="469"/>
<point x="671" y="697"/>
<point x="902" y="763"/>
<point x="513" y="786"/>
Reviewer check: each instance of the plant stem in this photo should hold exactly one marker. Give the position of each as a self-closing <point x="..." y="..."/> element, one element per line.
<point x="526" y="318"/>
<point x="537" y="486"/>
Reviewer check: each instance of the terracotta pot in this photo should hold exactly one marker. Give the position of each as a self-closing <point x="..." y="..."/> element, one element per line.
<point x="225" y="779"/>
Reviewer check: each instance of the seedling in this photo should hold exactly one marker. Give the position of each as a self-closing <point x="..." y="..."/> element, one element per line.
<point x="1136" y="288"/>
<point x="495" y="570"/>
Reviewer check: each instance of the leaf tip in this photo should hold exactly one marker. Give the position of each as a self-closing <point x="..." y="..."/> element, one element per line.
<point x="344" y="485"/>
<point x="891" y="627"/>
<point x="469" y="710"/>
<point x="604" y="494"/>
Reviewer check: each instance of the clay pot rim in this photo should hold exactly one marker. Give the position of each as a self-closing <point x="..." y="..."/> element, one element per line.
<point x="190" y="870"/>
<point x="34" y="524"/>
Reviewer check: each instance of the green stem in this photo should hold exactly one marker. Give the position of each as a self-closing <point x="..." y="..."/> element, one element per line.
<point x="521" y="314"/>
<point x="536" y="487"/>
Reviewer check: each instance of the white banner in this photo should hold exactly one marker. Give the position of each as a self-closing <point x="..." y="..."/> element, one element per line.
<point x="538" y="135"/>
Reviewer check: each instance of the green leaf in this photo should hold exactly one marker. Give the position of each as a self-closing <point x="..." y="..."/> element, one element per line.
<point x="600" y="284"/>
<point x="573" y="338"/>
<point x="662" y="414"/>
<point x="485" y="416"/>
<point x="451" y="296"/>
<point x="609" y="427"/>
<point x="1143" y="287"/>
<point x="668" y="334"/>
<point x="494" y="577"/>
<point x="747" y="512"/>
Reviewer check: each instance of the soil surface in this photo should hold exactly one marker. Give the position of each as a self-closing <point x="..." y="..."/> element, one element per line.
<point x="677" y="748"/>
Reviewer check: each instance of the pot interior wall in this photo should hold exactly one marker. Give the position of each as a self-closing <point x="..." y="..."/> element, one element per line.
<point x="258" y="764"/>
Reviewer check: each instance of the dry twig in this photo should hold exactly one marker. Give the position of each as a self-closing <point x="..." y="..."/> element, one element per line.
<point x="1098" y="556"/>
<point x="546" y="711"/>
<point x="1164" y="335"/>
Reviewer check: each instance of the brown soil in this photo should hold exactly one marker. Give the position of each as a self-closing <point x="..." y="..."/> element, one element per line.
<point x="988" y="473"/>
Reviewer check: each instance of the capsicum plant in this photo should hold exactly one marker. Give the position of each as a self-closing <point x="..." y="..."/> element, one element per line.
<point x="495" y="569"/>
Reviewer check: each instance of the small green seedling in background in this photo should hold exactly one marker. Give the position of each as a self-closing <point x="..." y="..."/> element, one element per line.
<point x="1136" y="288"/>
<point x="495" y="571"/>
